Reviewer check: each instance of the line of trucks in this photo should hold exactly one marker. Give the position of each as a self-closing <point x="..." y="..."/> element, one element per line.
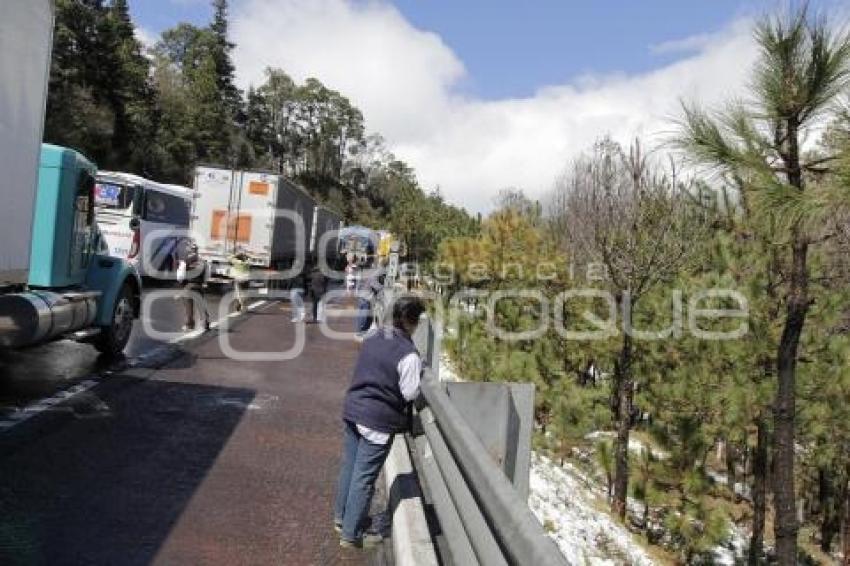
<point x="270" y="221"/>
<point x="74" y="242"/>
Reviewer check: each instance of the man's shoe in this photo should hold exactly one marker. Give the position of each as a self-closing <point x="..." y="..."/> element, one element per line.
<point x="338" y="527"/>
<point x="371" y="539"/>
<point x="368" y="540"/>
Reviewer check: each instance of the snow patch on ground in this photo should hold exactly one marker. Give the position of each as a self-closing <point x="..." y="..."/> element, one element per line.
<point x="563" y="501"/>
<point x="734" y="550"/>
<point x="447" y="369"/>
<point x="636" y="445"/>
<point x="741" y="489"/>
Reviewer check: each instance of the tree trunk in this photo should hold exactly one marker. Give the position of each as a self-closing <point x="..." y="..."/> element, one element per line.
<point x="785" y="528"/>
<point x="829" y="508"/>
<point x="846" y="535"/>
<point x="622" y="415"/>
<point x="797" y="305"/>
<point x="729" y="456"/>
<point x="759" y="492"/>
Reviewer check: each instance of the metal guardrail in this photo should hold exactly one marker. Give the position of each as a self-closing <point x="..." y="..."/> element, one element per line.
<point x="483" y="518"/>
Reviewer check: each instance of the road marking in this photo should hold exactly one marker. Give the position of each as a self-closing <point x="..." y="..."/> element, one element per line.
<point x="47" y="403"/>
<point x="215" y="324"/>
<point x="42" y="405"/>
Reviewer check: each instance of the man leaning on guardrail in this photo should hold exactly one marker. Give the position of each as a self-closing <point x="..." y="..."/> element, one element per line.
<point x="385" y="382"/>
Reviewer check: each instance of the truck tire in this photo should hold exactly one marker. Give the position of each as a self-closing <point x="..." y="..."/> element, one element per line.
<point x="113" y="338"/>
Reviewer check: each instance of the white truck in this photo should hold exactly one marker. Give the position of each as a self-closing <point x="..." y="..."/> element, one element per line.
<point x="142" y="220"/>
<point x="56" y="278"/>
<point x="266" y="217"/>
<point x="26" y="30"/>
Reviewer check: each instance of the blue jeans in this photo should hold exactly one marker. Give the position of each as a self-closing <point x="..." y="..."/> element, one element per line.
<point x="296" y="297"/>
<point x="361" y="463"/>
<point x="364" y="311"/>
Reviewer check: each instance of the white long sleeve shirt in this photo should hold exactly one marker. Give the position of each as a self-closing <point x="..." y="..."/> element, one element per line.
<point x="410" y="375"/>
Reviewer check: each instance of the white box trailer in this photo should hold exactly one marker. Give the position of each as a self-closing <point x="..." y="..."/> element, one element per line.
<point x="26" y="33"/>
<point x="263" y="215"/>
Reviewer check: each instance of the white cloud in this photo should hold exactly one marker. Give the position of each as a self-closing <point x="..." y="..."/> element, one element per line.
<point x="146" y="37"/>
<point x="405" y="80"/>
<point x="690" y="44"/>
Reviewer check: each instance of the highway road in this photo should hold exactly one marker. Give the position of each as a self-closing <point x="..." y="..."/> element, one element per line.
<point x="178" y="454"/>
<point x="34" y="373"/>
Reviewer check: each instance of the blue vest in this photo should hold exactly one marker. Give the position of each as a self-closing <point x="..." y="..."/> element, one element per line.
<point x="374" y="398"/>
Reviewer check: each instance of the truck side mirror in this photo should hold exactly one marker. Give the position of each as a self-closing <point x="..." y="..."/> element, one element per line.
<point x="135" y="223"/>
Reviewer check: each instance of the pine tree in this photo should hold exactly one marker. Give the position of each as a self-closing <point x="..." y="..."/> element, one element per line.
<point x="100" y="99"/>
<point x="77" y="116"/>
<point x="258" y="128"/>
<point x="126" y="70"/>
<point x="185" y="57"/>
<point x="802" y="69"/>
<point x="225" y="71"/>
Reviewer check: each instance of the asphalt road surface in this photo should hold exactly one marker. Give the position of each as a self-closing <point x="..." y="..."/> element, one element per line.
<point x="34" y="373"/>
<point x="182" y="455"/>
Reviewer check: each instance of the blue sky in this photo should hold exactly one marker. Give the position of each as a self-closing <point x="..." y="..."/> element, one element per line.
<point x="158" y="15"/>
<point x="511" y="49"/>
<point x="479" y="95"/>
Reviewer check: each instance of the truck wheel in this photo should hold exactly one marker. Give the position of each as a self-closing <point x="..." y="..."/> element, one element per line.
<point x="113" y="338"/>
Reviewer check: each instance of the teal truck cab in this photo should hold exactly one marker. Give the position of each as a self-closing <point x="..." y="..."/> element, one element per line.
<point x="56" y="279"/>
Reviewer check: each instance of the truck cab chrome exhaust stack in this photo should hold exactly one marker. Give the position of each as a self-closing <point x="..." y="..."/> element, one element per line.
<point x="32" y="317"/>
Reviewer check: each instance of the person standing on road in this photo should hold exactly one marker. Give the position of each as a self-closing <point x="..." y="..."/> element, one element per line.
<point x="296" y="297"/>
<point x="192" y="276"/>
<point x="240" y="272"/>
<point x="318" y="288"/>
<point x="367" y="295"/>
<point x="385" y="382"/>
<point x="350" y="274"/>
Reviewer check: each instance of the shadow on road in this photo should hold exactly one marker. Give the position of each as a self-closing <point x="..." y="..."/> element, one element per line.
<point x="107" y="484"/>
<point x="31" y="373"/>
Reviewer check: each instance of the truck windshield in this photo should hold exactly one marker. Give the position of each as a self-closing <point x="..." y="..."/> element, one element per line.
<point x="167" y="209"/>
<point x="115" y="197"/>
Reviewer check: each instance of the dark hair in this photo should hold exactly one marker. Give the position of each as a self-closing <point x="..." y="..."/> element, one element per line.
<point x="407" y="309"/>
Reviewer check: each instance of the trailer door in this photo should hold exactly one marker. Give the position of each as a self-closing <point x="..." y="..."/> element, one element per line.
<point x="212" y="211"/>
<point x="253" y="223"/>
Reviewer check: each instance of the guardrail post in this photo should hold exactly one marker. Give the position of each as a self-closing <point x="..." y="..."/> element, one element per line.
<point x="502" y="415"/>
<point x="516" y="528"/>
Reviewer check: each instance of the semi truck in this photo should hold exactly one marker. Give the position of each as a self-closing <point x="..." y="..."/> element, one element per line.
<point x="56" y="277"/>
<point x="266" y="217"/>
<point x="360" y="243"/>
<point x="142" y="220"/>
